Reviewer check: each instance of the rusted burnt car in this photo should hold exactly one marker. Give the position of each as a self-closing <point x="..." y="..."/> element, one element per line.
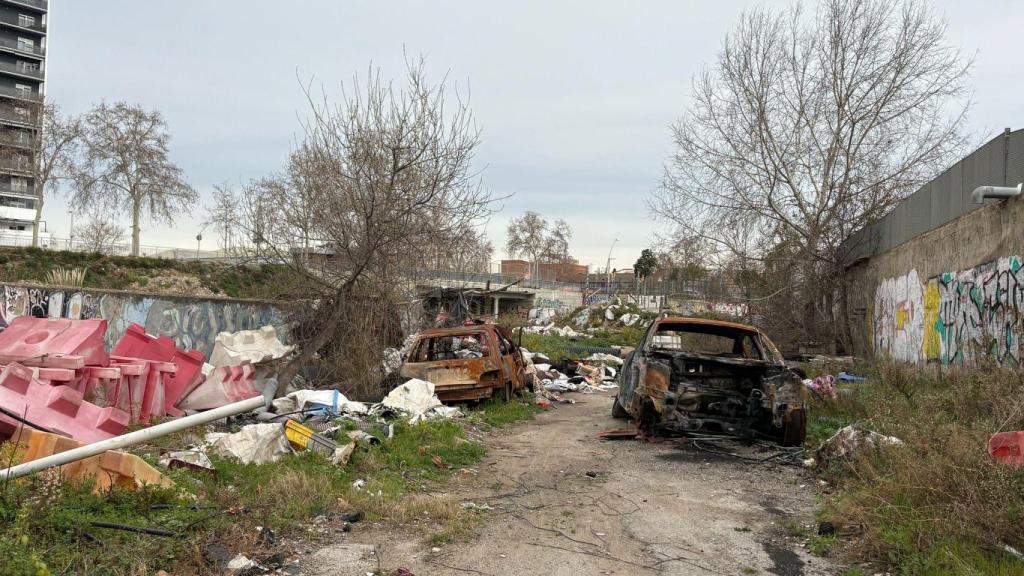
<point x="467" y="362"/>
<point x="692" y="374"/>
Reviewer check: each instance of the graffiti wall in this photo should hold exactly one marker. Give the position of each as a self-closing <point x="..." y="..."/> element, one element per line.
<point x="953" y="318"/>
<point x="192" y="322"/>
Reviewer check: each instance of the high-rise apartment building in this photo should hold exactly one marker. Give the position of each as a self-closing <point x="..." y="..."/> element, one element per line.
<point x="22" y="80"/>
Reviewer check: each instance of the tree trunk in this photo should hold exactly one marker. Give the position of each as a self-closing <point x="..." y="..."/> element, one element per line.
<point x="309" y="349"/>
<point x="39" y="215"/>
<point x="136" y="208"/>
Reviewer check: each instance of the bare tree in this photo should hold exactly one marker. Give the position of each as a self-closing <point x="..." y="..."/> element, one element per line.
<point x="808" y="127"/>
<point x="56" y="146"/>
<point x="126" y="167"/>
<point x="532" y="236"/>
<point x="100" y="234"/>
<point x="222" y="216"/>
<point x="385" y="174"/>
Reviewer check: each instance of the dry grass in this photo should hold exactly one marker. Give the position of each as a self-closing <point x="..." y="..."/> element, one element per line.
<point x="939" y="503"/>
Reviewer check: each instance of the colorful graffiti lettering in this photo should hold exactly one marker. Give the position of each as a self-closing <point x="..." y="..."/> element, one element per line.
<point x="954" y="318"/>
<point x="192" y="323"/>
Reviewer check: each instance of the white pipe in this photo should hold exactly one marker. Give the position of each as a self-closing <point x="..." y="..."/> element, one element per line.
<point x="981" y="192"/>
<point x="163" y="429"/>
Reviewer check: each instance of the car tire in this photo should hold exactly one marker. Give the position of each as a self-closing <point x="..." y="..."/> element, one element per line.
<point x="794" y="432"/>
<point x="618" y="411"/>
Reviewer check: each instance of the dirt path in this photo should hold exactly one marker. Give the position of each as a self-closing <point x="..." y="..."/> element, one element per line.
<point x="651" y="509"/>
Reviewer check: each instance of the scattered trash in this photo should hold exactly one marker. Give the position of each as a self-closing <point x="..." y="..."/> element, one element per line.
<point x="359" y="484"/>
<point x="604" y="357"/>
<point x="196" y="460"/>
<point x="1013" y="551"/>
<point x="826" y="529"/>
<point x="303" y="438"/>
<point x="822" y="385"/>
<point x="267" y="537"/>
<point x="402" y="572"/>
<point x="849" y="441"/>
<point x="240" y="562"/>
<point x="629" y="319"/>
<point x="253" y="444"/>
<point x="417" y="399"/>
<point x="590" y="474"/>
<point x="352" y="517"/>
<point x="1007" y="447"/>
<point x="475" y="506"/>
<point x="849" y="377"/>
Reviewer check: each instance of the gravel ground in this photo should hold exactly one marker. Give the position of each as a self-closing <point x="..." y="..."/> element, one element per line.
<point x="566" y="502"/>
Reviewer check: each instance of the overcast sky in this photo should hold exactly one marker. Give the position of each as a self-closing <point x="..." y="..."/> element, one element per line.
<point x="574" y="98"/>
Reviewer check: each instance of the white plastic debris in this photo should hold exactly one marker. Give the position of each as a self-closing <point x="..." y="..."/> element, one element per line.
<point x="629" y="319"/>
<point x="307" y="399"/>
<point x="359" y="484"/>
<point x="392" y="360"/>
<point x="609" y="313"/>
<point x="239" y="563"/>
<point x="850" y="440"/>
<point x="195" y="459"/>
<point x="581" y="319"/>
<point x="253" y="444"/>
<point x="417" y="399"/>
<point x="605" y="358"/>
<point x="232" y="348"/>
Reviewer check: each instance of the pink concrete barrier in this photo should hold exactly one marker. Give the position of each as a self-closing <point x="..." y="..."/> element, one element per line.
<point x="136" y="343"/>
<point x="223" y="385"/>
<point x="54" y="342"/>
<point x="60" y="409"/>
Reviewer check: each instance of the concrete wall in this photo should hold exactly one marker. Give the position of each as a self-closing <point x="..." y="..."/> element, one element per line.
<point x="950" y="295"/>
<point x="192" y="322"/>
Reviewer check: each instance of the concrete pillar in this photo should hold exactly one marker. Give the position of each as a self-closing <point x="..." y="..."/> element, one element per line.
<point x="496" y="300"/>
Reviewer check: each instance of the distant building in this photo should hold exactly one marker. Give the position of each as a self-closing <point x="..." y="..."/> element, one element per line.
<point x="22" y="80"/>
<point x="563" y="271"/>
<point x="515" y="268"/>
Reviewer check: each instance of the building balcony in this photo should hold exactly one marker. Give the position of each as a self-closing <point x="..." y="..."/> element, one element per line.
<point x="22" y="71"/>
<point x="14" y="141"/>
<point x="17" y="214"/>
<point x="41" y="5"/>
<point x="7" y="190"/>
<point x="26" y="95"/>
<point x="12" y="21"/>
<point x="15" y="47"/>
<point x="11" y="117"/>
<point x="9" y="166"/>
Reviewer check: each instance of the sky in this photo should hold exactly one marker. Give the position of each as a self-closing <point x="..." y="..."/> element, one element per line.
<point x="574" y="99"/>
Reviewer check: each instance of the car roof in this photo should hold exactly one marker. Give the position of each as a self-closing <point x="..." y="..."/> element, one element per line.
<point x="706" y="322"/>
<point x="456" y="330"/>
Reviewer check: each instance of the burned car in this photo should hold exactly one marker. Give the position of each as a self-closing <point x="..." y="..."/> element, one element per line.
<point x="692" y="374"/>
<point x="467" y="362"/>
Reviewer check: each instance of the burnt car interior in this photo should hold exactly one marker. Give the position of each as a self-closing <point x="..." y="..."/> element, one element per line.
<point x="451" y="347"/>
<point x="716" y="378"/>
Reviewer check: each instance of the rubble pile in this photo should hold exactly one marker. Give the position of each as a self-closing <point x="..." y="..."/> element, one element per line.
<point x="57" y="376"/>
<point x="590" y="375"/>
<point x="580" y="323"/>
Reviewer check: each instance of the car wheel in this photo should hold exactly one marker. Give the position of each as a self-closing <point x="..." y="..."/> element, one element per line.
<point x="618" y="411"/>
<point x="795" y="431"/>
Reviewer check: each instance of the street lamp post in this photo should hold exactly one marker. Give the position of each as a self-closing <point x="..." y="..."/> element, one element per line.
<point x="608" y="265"/>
